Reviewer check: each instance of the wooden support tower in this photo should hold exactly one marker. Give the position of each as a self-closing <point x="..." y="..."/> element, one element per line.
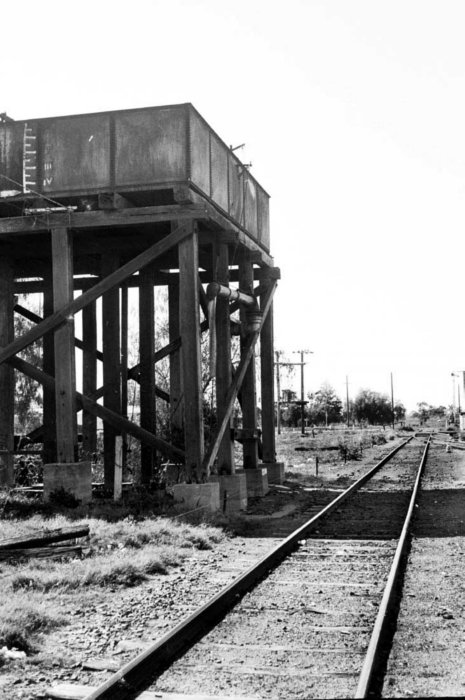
<point x="99" y="241"/>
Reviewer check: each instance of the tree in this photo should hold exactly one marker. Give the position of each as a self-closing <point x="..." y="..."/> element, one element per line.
<point x="399" y="411"/>
<point x="423" y="411"/>
<point x="325" y="406"/>
<point x="372" y="407"/>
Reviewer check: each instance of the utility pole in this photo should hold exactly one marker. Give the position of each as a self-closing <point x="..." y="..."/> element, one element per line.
<point x="347" y="402"/>
<point x="392" y="402"/>
<point x="302" y="387"/>
<point x="302" y="401"/>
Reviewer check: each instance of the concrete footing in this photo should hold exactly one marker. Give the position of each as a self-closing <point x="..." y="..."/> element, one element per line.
<point x="275" y="471"/>
<point x="233" y="491"/>
<point x="73" y="477"/>
<point x="257" y="482"/>
<point x="194" y="496"/>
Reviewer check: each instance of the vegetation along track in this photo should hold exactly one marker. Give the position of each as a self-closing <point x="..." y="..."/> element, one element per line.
<point x="308" y="620"/>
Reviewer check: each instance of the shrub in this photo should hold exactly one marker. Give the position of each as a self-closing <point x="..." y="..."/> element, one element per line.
<point x="350" y="449"/>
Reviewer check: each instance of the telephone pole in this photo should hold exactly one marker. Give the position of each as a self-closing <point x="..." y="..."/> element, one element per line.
<point x="302" y="401"/>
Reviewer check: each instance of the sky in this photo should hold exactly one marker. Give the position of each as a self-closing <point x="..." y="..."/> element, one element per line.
<point x="353" y="116"/>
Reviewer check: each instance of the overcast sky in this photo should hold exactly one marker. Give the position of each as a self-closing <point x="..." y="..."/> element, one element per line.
<point x="353" y="115"/>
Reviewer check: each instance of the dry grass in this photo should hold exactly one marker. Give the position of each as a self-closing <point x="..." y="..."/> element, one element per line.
<point x="23" y="619"/>
<point x="338" y="451"/>
<point x="118" y="554"/>
<point x="123" y="567"/>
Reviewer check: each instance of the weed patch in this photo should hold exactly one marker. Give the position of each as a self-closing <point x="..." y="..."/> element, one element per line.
<point x="23" y="620"/>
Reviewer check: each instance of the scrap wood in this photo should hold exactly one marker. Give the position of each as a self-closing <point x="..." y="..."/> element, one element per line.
<point x="46" y="537"/>
<point x="40" y="552"/>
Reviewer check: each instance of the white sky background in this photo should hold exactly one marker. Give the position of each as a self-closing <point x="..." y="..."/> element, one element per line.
<point x="353" y="115"/>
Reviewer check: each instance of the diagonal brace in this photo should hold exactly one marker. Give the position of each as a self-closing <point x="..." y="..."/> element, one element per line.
<point x="236" y="384"/>
<point x="60" y="317"/>
<point x="110" y="417"/>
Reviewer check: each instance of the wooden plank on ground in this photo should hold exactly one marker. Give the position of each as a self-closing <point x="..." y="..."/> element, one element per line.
<point x="41" y="539"/>
<point x="41" y="552"/>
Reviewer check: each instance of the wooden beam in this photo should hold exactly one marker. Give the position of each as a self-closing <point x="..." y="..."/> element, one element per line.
<point x="117" y="421"/>
<point x="100" y="218"/>
<point x="267" y="388"/>
<point x="65" y="369"/>
<point x="89" y="375"/>
<point x="48" y="365"/>
<point x="111" y="365"/>
<point x="233" y="391"/>
<point x="60" y="317"/>
<point x="124" y="368"/>
<point x="190" y="354"/>
<point x="7" y="381"/>
<point x="83" y="283"/>
<point x="248" y="389"/>
<point x="35" y="318"/>
<point x="176" y="409"/>
<point x="147" y="371"/>
<point x="223" y="361"/>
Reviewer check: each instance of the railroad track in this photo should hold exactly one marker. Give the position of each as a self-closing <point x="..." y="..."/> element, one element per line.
<point x="311" y="619"/>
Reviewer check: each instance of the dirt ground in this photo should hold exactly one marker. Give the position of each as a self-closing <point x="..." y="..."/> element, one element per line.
<point x="97" y="640"/>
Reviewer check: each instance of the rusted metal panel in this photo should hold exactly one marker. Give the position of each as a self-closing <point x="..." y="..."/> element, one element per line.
<point x="263" y="218"/>
<point x="250" y="203"/>
<point x="11" y="157"/>
<point x="200" y="152"/>
<point x="219" y="172"/>
<point x="75" y="154"/>
<point x="151" y="146"/>
<point x="140" y="149"/>
<point x="236" y="189"/>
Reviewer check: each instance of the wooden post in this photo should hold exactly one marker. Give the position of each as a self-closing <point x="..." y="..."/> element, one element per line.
<point x="190" y="355"/>
<point x="118" y="484"/>
<point x="124" y="367"/>
<point x="7" y="408"/>
<point x="176" y="409"/>
<point x="147" y="370"/>
<point x="65" y="368"/>
<point x="48" y="363"/>
<point x="223" y="361"/>
<point x="89" y="376"/>
<point x="248" y="389"/>
<point x="111" y="366"/>
<point x="267" y="387"/>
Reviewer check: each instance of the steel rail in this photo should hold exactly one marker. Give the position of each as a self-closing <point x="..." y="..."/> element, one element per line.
<point x="132" y="677"/>
<point x="383" y="617"/>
